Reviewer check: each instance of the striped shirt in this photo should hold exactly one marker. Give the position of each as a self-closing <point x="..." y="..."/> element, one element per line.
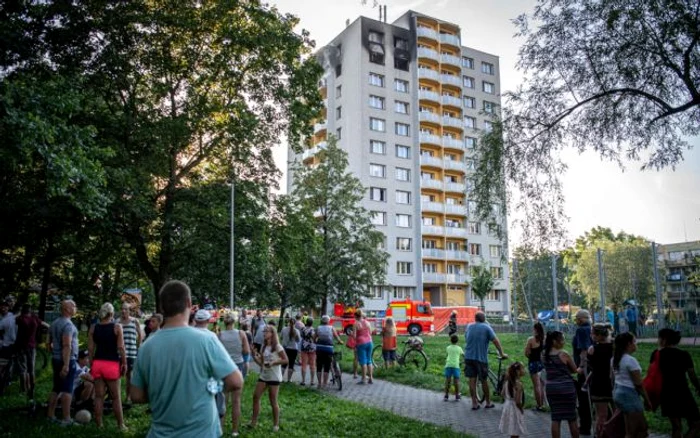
<point x="130" y="337"/>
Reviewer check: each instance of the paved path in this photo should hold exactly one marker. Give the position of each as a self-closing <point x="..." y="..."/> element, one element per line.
<point x="429" y="407"/>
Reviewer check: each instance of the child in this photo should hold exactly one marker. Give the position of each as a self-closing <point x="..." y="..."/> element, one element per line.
<point x="389" y="342"/>
<point x="512" y="418"/>
<point x="454" y="352"/>
<point x="350" y="343"/>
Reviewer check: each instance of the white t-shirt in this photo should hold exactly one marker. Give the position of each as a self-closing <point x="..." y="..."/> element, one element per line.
<point x="623" y="376"/>
<point x="9" y="327"/>
<point x="273" y="373"/>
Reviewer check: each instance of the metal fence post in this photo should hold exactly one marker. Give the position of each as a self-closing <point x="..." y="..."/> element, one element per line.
<point x="657" y="287"/>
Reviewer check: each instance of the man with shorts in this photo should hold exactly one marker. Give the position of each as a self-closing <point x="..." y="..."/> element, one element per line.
<point x="132" y="339"/>
<point x="176" y="372"/>
<point x="258" y="330"/>
<point x="476" y="362"/>
<point x="63" y="342"/>
<point x="28" y="325"/>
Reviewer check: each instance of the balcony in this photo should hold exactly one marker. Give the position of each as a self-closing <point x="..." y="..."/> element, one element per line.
<point x="429" y="138"/>
<point x="308" y="153"/>
<point x="426" y="160"/>
<point x="453" y="122"/>
<point x="426" y="116"/>
<point x="318" y="127"/>
<point x="427" y="32"/>
<point x="437" y="207"/>
<point x="428" y="54"/>
<point x="450" y="142"/>
<point x="451" y="59"/>
<point x="451" y="80"/>
<point x="457" y="278"/>
<point x="455" y="187"/>
<point x="456" y="232"/>
<point x="428" y="74"/>
<point x="457" y="255"/>
<point x="453" y="40"/>
<point x="452" y="101"/>
<point x="432" y="277"/>
<point x="431" y="184"/>
<point x="454" y="165"/>
<point x="433" y="253"/>
<point x="457" y="209"/>
<point x="675" y="277"/>
<point x="433" y="229"/>
<point x="429" y="95"/>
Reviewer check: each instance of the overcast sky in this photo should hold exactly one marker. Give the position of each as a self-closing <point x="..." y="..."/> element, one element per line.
<point x="662" y="206"/>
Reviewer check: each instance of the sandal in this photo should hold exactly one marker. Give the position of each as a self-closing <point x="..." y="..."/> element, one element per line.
<point x="490" y="406"/>
<point x="476" y="408"/>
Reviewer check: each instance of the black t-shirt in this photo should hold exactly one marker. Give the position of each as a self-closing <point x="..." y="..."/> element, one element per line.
<point x="674" y="366"/>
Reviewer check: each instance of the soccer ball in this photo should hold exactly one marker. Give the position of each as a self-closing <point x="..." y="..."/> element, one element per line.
<point x="83" y="417"/>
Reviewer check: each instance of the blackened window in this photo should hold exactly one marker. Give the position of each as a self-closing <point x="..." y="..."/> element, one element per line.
<point x="376" y="47"/>
<point x="338" y="70"/>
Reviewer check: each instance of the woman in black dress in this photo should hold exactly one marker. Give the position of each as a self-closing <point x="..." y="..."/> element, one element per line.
<point x="600" y="384"/>
<point x="677" y="401"/>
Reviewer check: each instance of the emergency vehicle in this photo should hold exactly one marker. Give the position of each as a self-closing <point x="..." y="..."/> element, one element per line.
<point x="411" y="317"/>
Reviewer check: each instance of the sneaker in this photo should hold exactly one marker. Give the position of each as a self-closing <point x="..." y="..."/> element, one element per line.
<point x="275" y="428"/>
<point x="53" y="420"/>
<point x="67" y="423"/>
<point x="458" y="397"/>
<point x="447" y="397"/>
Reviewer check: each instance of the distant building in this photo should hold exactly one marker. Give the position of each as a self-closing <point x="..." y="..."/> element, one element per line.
<point x="679" y="262"/>
<point x="409" y="102"/>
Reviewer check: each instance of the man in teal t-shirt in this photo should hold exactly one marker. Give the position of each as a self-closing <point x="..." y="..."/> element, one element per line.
<point x="174" y="371"/>
<point x="454" y="352"/>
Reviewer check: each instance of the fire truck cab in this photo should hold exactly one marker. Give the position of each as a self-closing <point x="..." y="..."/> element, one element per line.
<point x="411" y="317"/>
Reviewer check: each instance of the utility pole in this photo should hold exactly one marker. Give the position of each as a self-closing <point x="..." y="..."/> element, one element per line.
<point x="233" y="246"/>
<point x="657" y="287"/>
<point x="515" y="296"/>
<point x="554" y="291"/>
<point x="601" y="284"/>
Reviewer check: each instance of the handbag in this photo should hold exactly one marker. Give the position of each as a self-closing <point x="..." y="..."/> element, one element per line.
<point x="653" y="381"/>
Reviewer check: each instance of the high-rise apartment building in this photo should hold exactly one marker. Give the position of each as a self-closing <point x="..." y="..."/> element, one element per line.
<point x="679" y="263"/>
<point x="408" y="102"/>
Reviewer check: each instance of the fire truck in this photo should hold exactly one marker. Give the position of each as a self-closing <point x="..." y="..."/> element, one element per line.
<point x="411" y="317"/>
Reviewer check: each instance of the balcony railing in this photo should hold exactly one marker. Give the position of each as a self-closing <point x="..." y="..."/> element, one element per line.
<point x="318" y="127"/>
<point x="457" y="278"/>
<point x="308" y="153"/>
<point x="457" y="255"/>
<point x="433" y="229"/>
<point x="428" y="53"/>
<point x="428" y="95"/>
<point x="451" y="59"/>
<point x="433" y="253"/>
<point x="428" y="73"/>
<point x="430" y="161"/>
<point x="426" y="116"/>
<point x="454" y="165"/>
<point x="431" y="184"/>
<point x="429" y="138"/>
<point x="451" y="100"/>
<point x="452" y="80"/>
<point x="426" y="32"/>
<point x="455" y="232"/>
<point x="456" y="209"/>
<point x="432" y="277"/>
<point x="453" y="122"/>
<point x="437" y="207"/>
<point x="446" y="38"/>
<point x="452" y="142"/>
<point x="455" y="187"/>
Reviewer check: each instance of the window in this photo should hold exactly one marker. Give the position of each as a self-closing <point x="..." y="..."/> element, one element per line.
<point x="403" y="243"/>
<point x="430" y="268"/>
<point x="377" y="194"/>
<point x="403" y="174"/>
<point x="402" y="129"/>
<point x="467" y="62"/>
<point x="469" y="102"/>
<point x="403" y="268"/>
<point x="489" y="88"/>
<point x="470" y="142"/>
<point x="338" y="70"/>
<point x="403" y="220"/>
<point x="338" y="92"/>
<point x="400" y="43"/>
<point x="378" y="125"/>
<point x="475" y="249"/>
<point x="403" y="151"/>
<point x="454" y="269"/>
<point x="489" y="107"/>
<point x="401" y="85"/>
<point x="474" y="227"/>
<point x="454" y="246"/>
<point x="376" y="292"/>
<point x="377" y="170"/>
<point x="378" y="218"/>
<point x="488" y="125"/>
<point x="376" y="102"/>
<point x="451" y="223"/>
<point x="471" y="207"/>
<point x="495" y="295"/>
<point x="401" y="107"/>
<point x="497" y="273"/>
<point x="339" y="133"/>
<point x="468" y="82"/>
<point x="376" y="79"/>
<point x="488" y="68"/>
<point x="494" y="229"/>
<point x="470" y="122"/>
<point x="469" y="162"/>
<point x="401" y="292"/>
<point x="403" y="197"/>
<point x="428" y="244"/>
<point x="377" y="147"/>
<point x="428" y="221"/>
<point x="376" y="47"/>
<point x="495" y="250"/>
<point x="338" y="113"/>
<point x="470" y="184"/>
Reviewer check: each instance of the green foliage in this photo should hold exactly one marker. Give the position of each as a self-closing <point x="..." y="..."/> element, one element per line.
<point x="482" y="282"/>
<point x="347" y="260"/>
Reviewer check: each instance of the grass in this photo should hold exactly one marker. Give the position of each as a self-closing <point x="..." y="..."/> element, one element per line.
<point x="514" y="346"/>
<point x="304" y="412"/>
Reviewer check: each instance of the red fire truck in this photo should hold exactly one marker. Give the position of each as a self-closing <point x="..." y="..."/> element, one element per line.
<point x="410" y="316"/>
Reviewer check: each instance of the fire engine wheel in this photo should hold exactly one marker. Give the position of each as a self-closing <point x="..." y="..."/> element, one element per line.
<point x="377" y="357"/>
<point x="414" y="330"/>
<point x="417" y="359"/>
<point x="347" y="330"/>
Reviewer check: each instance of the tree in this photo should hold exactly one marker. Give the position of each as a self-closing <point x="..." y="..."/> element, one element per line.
<point x="348" y="259"/>
<point x="482" y="282"/>
<point x="619" y="78"/>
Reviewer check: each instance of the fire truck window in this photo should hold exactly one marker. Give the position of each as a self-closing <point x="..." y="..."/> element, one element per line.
<point x="399" y="313"/>
<point x="425" y="310"/>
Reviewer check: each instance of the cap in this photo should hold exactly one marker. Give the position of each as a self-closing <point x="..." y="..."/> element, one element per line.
<point x="83" y="354"/>
<point x="202" y="315"/>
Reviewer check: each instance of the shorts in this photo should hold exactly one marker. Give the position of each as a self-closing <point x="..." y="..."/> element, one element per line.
<point x="220" y="403"/>
<point x="243" y="368"/>
<point x="63" y="384"/>
<point x="105" y="369"/>
<point x="451" y="372"/>
<point x="476" y="369"/>
<point x="26" y="359"/>
<point x="535" y="367"/>
<point x="364" y="353"/>
<point x="270" y="382"/>
<point x="323" y="361"/>
<point x="130" y="364"/>
<point x="389" y="355"/>
<point x="627" y="399"/>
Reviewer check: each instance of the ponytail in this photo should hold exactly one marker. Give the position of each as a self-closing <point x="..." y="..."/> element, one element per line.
<point x="512" y="377"/>
<point x="621" y="343"/>
<point x="552" y="336"/>
<point x="539" y="332"/>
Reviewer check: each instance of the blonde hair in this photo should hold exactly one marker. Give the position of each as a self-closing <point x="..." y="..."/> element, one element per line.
<point x="106" y="310"/>
<point x="274" y="339"/>
<point x="389" y="327"/>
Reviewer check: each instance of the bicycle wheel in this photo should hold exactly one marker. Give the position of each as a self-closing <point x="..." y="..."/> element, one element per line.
<point x="416" y="359"/>
<point x="493" y="381"/>
<point x="337" y="376"/>
<point x="377" y="357"/>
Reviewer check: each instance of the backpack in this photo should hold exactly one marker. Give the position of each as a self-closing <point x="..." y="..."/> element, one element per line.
<point x="307" y="342"/>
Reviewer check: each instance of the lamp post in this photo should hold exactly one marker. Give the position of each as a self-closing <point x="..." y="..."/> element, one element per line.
<point x="233" y="246"/>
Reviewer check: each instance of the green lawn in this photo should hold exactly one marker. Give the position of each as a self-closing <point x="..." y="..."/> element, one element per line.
<point x="514" y="346"/>
<point x="304" y="413"/>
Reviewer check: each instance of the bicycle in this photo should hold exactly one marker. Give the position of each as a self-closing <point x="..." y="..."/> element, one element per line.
<point x="336" y="374"/>
<point x="412" y="355"/>
<point x="497" y="380"/>
<point x="9" y="367"/>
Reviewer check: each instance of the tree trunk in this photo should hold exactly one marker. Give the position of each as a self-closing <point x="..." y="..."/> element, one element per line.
<point x="483" y="306"/>
<point x="46" y="278"/>
<point x="324" y="303"/>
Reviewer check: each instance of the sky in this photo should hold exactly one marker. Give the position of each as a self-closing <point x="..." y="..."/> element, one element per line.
<point x="662" y="206"/>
